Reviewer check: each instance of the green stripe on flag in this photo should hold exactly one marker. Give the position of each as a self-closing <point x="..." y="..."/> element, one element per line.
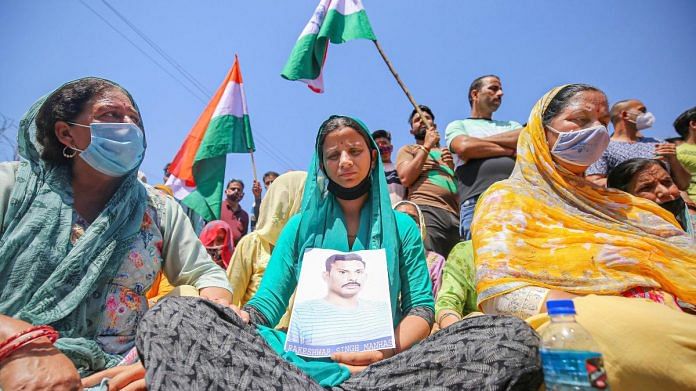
<point x="307" y="55"/>
<point x="226" y="134"/>
<point x="206" y="200"/>
<point x="341" y="28"/>
<point x="303" y="63"/>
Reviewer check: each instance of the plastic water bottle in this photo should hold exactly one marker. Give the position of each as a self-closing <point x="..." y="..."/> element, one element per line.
<point x="569" y="355"/>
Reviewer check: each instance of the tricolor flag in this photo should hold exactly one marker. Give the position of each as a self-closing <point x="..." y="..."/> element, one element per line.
<point x="198" y="170"/>
<point x="337" y="21"/>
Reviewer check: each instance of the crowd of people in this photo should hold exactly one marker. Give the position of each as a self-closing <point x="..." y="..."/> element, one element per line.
<point x="109" y="283"/>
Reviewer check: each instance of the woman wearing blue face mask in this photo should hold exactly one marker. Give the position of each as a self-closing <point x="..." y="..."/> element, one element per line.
<point x="82" y="240"/>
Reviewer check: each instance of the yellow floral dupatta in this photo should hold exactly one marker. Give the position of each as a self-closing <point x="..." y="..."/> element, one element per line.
<point x="547" y="227"/>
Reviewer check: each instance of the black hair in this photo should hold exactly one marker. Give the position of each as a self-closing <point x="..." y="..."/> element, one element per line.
<point x="681" y="124"/>
<point x="562" y="98"/>
<point x="233" y="180"/>
<point x="476" y="86"/>
<point x="620" y="176"/>
<point x="423" y="108"/>
<point x="66" y="104"/>
<point x="381" y="134"/>
<point x="617" y="108"/>
<point x="342" y="257"/>
<point x="270" y="173"/>
<point x="674" y="140"/>
<point x="336" y="122"/>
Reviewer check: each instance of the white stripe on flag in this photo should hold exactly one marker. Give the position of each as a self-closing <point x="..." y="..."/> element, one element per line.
<point x="179" y="187"/>
<point x="317" y="19"/>
<point x="316" y="85"/>
<point x="347" y="7"/>
<point x="231" y="101"/>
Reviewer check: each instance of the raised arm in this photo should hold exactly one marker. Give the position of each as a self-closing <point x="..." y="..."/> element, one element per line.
<point x="409" y="165"/>
<point x="680" y="175"/>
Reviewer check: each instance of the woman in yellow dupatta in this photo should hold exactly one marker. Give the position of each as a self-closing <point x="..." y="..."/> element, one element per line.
<point x="248" y="264"/>
<point x="548" y="233"/>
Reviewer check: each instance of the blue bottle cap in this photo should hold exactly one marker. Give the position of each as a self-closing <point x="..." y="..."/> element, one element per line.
<point x="560" y="307"/>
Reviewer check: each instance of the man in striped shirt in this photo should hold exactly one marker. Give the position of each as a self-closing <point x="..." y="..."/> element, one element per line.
<point x="341" y="321"/>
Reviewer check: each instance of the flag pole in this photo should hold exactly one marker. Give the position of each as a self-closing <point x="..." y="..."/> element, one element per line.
<point x="401" y="83"/>
<point x="253" y="164"/>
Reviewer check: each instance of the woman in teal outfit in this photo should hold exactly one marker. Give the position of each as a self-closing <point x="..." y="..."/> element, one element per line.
<point x="81" y="240"/>
<point x="346" y="207"/>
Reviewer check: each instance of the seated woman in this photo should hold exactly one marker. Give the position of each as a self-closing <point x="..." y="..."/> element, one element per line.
<point x="253" y="251"/>
<point x="457" y="297"/>
<point x="346" y="207"/>
<point x="547" y="233"/>
<point x="649" y="179"/>
<point x="216" y="236"/>
<point x="82" y="239"/>
<point x="435" y="261"/>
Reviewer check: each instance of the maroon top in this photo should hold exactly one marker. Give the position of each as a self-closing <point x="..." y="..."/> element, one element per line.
<point x="238" y="220"/>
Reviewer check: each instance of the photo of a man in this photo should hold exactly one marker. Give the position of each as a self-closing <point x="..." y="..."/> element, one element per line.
<point x="341" y="320"/>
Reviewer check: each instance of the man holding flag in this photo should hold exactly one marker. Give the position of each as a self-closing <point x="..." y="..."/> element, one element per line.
<point x="198" y="170"/>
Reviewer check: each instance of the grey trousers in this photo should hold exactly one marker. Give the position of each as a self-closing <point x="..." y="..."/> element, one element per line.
<point x="188" y="343"/>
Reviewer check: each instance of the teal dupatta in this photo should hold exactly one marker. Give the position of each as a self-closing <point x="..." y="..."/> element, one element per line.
<point x="320" y="224"/>
<point x="43" y="278"/>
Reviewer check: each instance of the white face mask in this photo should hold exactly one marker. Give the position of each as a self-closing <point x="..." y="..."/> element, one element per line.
<point x="581" y="147"/>
<point x="644" y="120"/>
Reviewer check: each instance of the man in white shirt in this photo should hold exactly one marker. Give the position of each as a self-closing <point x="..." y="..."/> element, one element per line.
<point x="484" y="148"/>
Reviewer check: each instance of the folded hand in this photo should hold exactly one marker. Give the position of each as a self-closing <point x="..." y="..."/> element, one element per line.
<point x="126" y="378"/>
<point x="357" y="361"/>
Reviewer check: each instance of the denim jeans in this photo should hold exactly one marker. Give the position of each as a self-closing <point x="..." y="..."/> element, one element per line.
<point x="466" y="216"/>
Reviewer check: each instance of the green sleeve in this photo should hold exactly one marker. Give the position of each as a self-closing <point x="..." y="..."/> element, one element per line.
<point x="280" y="279"/>
<point x="416" y="288"/>
<point x="458" y="291"/>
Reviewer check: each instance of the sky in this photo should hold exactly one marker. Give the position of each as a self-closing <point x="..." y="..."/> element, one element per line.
<point x="629" y="49"/>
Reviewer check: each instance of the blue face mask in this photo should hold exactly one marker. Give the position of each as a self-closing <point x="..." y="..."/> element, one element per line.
<point x="116" y="148"/>
<point x="581" y="147"/>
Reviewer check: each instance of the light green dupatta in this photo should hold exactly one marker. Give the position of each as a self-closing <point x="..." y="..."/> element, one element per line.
<point x="43" y="278"/>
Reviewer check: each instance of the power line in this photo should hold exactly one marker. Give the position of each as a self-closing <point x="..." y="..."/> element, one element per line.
<point x="275" y="154"/>
<point x="143" y="52"/>
<point x="160" y="51"/>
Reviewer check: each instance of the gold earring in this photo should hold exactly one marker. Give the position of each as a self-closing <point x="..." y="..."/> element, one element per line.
<point x="67" y="152"/>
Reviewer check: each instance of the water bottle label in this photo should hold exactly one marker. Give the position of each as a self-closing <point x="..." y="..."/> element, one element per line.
<point x="574" y="368"/>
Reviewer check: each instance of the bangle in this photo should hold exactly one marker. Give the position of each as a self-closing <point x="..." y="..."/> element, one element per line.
<point x="423" y="148"/>
<point x="22" y="338"/>
<point x="446" y="314"/>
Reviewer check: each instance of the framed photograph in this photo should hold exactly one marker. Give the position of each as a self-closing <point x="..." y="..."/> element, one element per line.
<point x="342" y="304"/>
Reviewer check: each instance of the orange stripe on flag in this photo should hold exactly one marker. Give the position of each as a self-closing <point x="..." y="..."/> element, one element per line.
<point x="182" y="165"/>
<point x="236" y="73"/>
